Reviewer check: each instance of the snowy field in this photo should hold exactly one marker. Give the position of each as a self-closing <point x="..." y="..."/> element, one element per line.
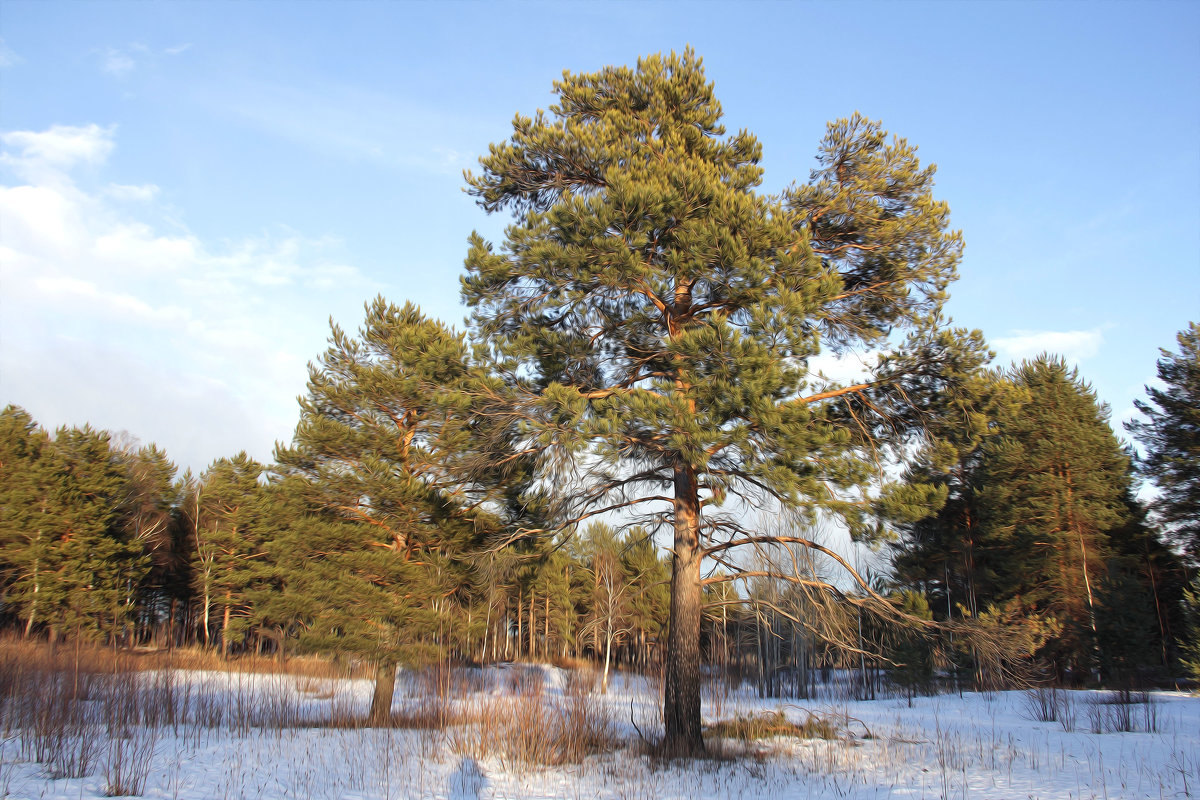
<point x="257" y="737"/>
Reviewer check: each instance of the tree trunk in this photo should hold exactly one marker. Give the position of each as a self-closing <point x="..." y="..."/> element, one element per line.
<point x="381" y="700"/>
<point x="204" y="621"/>
<point x="681" y="704"/>
<point x="36" y="587"/>
<point x="225" y="627"/>
<point x="608" y="639"/>
<point x="1087" y="583"/>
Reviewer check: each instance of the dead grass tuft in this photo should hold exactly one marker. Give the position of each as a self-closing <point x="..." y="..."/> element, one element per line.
<point x="528" y="726"/>
<point x="772" y="724"/>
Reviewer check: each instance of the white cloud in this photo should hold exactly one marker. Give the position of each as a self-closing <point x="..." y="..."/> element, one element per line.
<point x="135" y="245"/>
<point x="40" y="216"/>
<point x="107" y="318"/>
<point x="141" y="193"/>
<point x="177" y="49"/>
<point x="60" y="147"/>
<point x="116" y="62"/>
<point x="90" y="298"/>
<point x="1074" y="346"/>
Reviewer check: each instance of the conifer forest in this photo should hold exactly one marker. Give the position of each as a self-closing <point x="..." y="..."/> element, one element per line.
<point x="629" y="461"/>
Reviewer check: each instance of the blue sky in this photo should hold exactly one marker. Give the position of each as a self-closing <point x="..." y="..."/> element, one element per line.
<point x="189" y="191"/>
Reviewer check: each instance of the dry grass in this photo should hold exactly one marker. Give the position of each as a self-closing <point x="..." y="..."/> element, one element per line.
<point x="93" y="658"/>
<point x="526" y="725"/>
<point x="1123" y="712"/>
<point x="771" y="724"/>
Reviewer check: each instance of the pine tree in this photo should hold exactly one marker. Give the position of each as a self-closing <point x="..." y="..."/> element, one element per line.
<point x="229" y="530"/>
<point x="652" y="310"/>
<point x="1153" y="578"/>
<point x="27" y="554"/>
<point x="650" y="577"/>
<point x="912" y="651"/>
<point x="940" y="554"/>
<point x="1056" y="483"/>
<point x="99" y="563"/>
<point x="1171" y="436"/>
<point x="376" y="564"/>
<point x="1190" y="655"/>
<point x="555" y="583"/>
<point x="146" y="515"/>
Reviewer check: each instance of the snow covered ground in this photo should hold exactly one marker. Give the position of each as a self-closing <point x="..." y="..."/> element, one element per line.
<point x="250" y="736"/>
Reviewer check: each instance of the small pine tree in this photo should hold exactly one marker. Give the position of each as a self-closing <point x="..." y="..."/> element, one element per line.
<point x="1190" y="658"/>
<point x="374" y="560"/>
<point x="1126" y="628"/>
<point x="913" y="651"/>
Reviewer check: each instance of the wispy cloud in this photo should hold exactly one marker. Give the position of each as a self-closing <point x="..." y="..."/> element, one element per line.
<point x="1074" y="346"/>
<point x="120" y="61"/>
<point x="143" y="193"/>
<point x="8" y="57"/>
<point x="221" y="331"/>
<point x="116" y="62"/>
<point x="352" y="123"/>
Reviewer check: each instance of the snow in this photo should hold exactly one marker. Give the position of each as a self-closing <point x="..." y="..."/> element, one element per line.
<point x="259" y="741"/>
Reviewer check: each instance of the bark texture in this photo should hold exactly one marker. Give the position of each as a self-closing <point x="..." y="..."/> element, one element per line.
<point x="681" y="705"/>
<point x="381" y="700"/>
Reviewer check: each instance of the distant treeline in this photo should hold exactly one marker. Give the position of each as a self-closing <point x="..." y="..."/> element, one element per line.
<point x="362" y="543"/>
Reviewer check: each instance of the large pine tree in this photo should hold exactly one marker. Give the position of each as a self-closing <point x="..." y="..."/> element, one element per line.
<point x="657" y="315"/>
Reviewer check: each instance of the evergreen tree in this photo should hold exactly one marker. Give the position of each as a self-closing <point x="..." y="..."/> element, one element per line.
<point x="229" y="531"/>
<point x="146" y="515"/>
<point x="1055" y="485"/>
<point x="650" y="577"/>
<point x="558" y="584"/>
<point x="376" y="564"/>
<point x="1171" y="436"/>
<point x="27" y="553"/>
<point x="1191" y="638"/>
<point x="913" y="652"/>
<point x="940" y="554"/>
<point x="1147" y="578"/>
<point x="1125" y="627"/>
<point x="652" y="310"/>
<point x="78" y="519"/>
<point x="99" y="564"/>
